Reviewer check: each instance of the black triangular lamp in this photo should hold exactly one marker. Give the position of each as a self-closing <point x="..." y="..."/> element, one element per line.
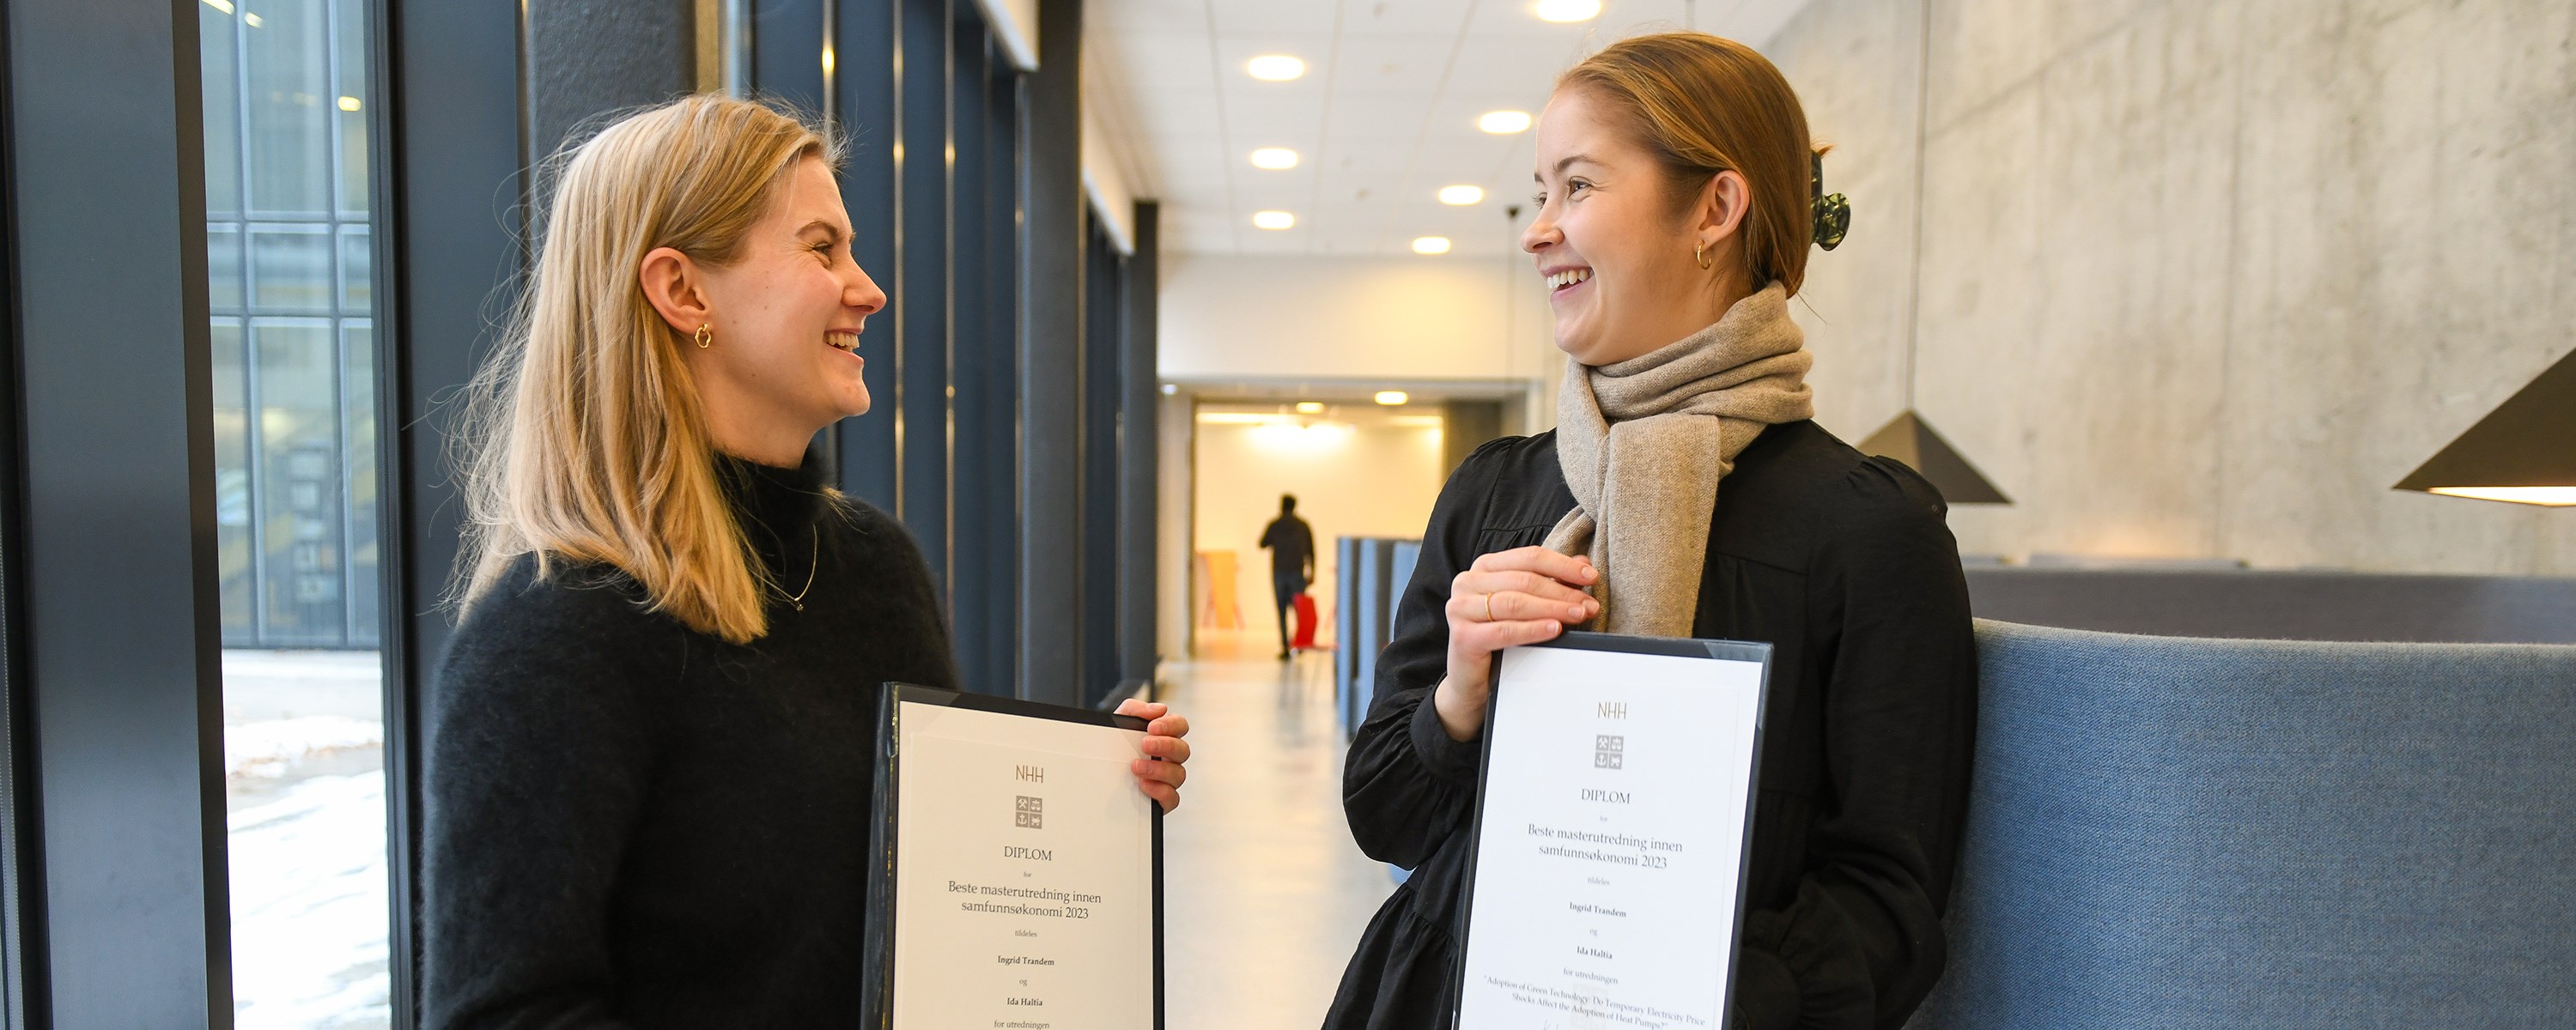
<point x="1911" y="440"/>
<point x="2524" y="451"/>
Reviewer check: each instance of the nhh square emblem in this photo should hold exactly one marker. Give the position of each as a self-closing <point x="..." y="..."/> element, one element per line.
<point x="1029" y="813"/>
<point x="1609" y="751"/>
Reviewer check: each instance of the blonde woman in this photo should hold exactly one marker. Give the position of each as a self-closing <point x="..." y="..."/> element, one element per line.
<point x="1684" y="493"/>
<point x="647" y="798"/>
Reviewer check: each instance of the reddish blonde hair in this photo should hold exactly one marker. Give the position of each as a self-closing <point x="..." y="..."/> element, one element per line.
<point x="1703" y="105"/>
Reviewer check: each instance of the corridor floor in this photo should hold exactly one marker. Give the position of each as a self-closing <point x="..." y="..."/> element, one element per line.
<point x="1264" y="894"/>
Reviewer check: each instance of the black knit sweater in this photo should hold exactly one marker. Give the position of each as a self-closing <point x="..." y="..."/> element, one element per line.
<point x="631" y="824"/>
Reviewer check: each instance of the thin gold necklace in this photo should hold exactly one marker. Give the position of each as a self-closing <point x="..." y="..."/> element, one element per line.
<point x="812" y="566"/>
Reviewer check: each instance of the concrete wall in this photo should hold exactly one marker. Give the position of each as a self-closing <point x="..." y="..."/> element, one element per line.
<point x="2201" y="278"/>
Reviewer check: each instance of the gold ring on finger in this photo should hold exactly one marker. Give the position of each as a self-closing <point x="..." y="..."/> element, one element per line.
<point x="1489" y="607"/>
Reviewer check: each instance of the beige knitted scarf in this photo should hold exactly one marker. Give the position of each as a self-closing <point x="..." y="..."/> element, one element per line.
<point x="1644" y="442"/>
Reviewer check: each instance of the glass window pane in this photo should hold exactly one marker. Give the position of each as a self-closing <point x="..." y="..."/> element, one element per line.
<point x="234" y="578"/>
<point x="216" y="47"/>
<point x="358" y="418"/>
<point x="295" y="373"/>
<point x="291" y="268"/>
<point x="349" y="25"/>
<point x="296" y="502"/>
<point x="224" y="267"/>
<point x="291" y="105"/>
<point x="357" y="283"/>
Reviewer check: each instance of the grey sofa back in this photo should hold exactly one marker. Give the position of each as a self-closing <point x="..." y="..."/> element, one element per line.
<point x="2283" y="604"/>
<point x="2186" y="833"/>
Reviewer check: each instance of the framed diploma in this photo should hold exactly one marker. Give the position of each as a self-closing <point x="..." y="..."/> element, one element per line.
<point x="1607" y="881"/>
<point x="1017" y="871"/>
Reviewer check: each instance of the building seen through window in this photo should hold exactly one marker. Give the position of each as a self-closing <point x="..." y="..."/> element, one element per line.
<point x="292" y="289"/>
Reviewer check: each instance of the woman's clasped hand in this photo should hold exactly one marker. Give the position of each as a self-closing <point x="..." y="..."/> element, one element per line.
<point x="1506" y="599"/>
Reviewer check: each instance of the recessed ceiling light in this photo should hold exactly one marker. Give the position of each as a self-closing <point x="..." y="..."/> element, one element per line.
<point x="1310" y="407"/>
<point x="1461" y="195"/>
<point x="1391" y="398"/>
<point x="1431" y="245"/>
<point x="1274" y="220"/>
<point x="1504" y="123"/>
<point x="1274" y="67"/>
<point x="1568" y="10"/>
<point x="1274" y="158"/>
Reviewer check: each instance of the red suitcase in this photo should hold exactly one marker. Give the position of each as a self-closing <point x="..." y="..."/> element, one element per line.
<point x="1305" y="635"/>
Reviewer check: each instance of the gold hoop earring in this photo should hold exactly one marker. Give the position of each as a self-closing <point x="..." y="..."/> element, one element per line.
<point x="706" y="335"/>
<point x="1699" y="254"/>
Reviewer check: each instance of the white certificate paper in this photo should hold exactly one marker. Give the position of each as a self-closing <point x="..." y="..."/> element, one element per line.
<point x="1024" y="873"/>
<point x="1607" y="877"/>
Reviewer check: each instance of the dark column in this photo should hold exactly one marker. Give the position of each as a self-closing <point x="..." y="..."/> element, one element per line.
<point x="447" y="175"/>
<point x="975" y="512"/>
<point x="995" y="454"/>
<point x="1050" y="338"/>
<point x="865" y="98"/>
<point x="1101" y="347"/>
<point x="1139" y="399"/>
<point x="112" y="624"/>
<point x="587" y="58"/>
<point x="921" y="295"/>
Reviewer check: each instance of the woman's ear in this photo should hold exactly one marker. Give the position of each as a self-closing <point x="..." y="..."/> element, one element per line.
<point x="1722" y="205"/>
<point x="676" y="287"/>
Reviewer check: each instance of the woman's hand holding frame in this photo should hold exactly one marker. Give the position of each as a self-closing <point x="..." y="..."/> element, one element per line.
<point x="1506" y="599"/>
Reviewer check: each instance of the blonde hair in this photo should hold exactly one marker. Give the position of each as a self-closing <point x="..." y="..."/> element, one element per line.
<point x="1703" y="105"/>
<point x="588" y="441"/>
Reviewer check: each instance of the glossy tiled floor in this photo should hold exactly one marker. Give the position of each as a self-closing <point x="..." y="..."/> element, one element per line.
<point x="1264" y="893"/>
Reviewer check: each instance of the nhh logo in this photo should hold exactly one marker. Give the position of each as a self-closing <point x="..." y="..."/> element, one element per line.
<point x="1029" y="773"/>
<point x="1612" y="710"/>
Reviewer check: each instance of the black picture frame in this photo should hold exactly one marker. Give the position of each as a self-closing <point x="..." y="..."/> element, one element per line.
<point x="1670" y="647"/>
<point x="876" y="992"/>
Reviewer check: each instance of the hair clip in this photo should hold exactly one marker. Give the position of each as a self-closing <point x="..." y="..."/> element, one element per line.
<point x="1832" y="212"/>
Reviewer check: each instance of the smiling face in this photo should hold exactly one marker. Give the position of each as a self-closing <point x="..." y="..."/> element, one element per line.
<point x="1615" y="243"/>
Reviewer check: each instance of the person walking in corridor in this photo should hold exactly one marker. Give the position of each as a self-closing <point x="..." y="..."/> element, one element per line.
<point x="1292" y="564"/>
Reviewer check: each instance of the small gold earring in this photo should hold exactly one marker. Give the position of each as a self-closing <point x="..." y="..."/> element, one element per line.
<point x="706" y="335"/>
<point x="1699" y="254"/>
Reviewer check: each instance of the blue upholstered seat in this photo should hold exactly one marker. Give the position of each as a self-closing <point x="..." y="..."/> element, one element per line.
<point x="2185" y="833"/>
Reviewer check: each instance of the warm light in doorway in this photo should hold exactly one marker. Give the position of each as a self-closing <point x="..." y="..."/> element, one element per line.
<point x="1392" y="398"/>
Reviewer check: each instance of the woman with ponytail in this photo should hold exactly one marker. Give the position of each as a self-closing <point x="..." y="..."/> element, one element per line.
<point x="650" y="746"/>
<point x="1685" y="493"/>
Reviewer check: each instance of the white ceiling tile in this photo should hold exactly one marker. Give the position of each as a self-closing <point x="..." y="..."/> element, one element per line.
<point x="1234" y="17"/>
<point x="1406" y="17"/>
<point x="1392" y="64"/>
<point x="1121" y="17"/>
<point x="1260" y="118"/>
